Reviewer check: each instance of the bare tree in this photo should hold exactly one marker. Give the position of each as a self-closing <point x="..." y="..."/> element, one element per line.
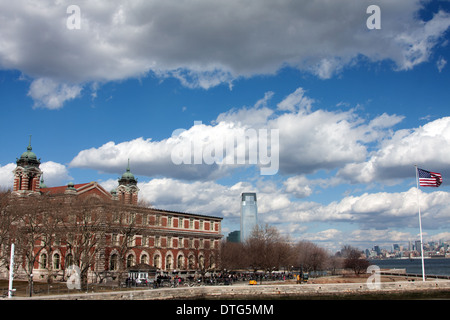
<point x="309" y="256"/>
<point x="7" y="221"/>
<point x="85" y="229"/>
<point x="52" y="211"/>
<point x="123" y="225"/>
<point x="354" y="260"/>
<point x="266" y="249"/>
<point x="233" y="256"/>
<point x="28" y="233"/>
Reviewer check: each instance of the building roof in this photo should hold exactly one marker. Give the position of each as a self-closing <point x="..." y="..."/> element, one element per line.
<point x="95" y="187"/>
<point x="61" y="189"/>
<point x="28" y="158"/>
<point x="186" y="213"/>
<point x="82" y="188"/>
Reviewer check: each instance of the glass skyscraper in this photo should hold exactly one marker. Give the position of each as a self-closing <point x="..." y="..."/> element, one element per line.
<point x="249" y="215"/>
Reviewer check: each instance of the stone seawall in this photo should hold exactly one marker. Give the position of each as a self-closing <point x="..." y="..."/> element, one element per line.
<point x="272" y="291"/>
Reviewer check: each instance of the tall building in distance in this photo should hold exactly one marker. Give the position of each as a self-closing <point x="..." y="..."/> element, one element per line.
<point x="249" y="214"/>
<point x="234" y="236"/>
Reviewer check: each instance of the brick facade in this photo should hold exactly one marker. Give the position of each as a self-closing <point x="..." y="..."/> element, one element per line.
<point x="165" y="239"/>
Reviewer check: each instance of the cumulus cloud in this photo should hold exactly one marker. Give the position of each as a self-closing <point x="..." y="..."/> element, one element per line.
<point x="308" y="140"/>
<point x="393" y="161"/>
<point x="298" y="186"/>
<point x="50" y="94"/>
<point x="55" y="174"/>
<point x="205" y="197"/>
<point x="296" y="101"/>
<point x="6" y="176"/>
<point x="378" y="210"/>
<point x="204" y="43"/>
<point x="323" y="139"/>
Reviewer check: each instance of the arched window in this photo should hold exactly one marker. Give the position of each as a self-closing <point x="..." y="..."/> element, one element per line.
<point x="130" y="260"/>
<point x="212" y="263"/>
<point x="43" y="261"/>
<point x="56" y="261"/>
<point x="113" y="263"/>
<point x="201" y="262"/>
<point x="69" y="260"/>
<point x="168" y="262"/>
<point x="144" y="259"/>
<point x="180" y="264"/>
<point x="191" y="262"/>
<point x="157" y="261"/>
<point x="30" y="182"/>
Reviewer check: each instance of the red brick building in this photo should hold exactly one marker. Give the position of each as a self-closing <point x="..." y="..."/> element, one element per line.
<point x="164" y="239"/>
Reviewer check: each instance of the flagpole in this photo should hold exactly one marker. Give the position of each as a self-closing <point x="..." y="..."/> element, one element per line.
<point x="420" y="225"/>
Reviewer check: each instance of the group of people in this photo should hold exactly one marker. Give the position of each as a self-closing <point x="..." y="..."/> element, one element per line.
<point x="225" y="278"/>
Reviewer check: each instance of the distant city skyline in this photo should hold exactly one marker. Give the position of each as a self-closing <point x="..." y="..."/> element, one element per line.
<point x="410" y="249"/>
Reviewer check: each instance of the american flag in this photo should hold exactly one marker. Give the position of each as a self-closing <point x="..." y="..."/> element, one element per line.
<point x="429" y="179"/>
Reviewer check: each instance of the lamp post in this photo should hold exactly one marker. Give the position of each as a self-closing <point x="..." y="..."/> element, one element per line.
<point x="11" y="272"/>
<point x="31" y="285"/>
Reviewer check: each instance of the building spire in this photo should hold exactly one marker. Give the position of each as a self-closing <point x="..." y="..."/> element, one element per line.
<point x="29" y="145"/>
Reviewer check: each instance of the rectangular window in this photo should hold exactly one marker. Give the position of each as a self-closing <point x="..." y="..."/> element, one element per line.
<point x="114" y="239"/>
<point x="144" y="241"/>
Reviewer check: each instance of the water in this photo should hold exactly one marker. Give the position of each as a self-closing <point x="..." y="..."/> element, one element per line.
<point x="435" y="266"/>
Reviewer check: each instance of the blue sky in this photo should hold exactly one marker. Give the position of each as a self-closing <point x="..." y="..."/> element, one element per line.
<point x="355" y="108"/>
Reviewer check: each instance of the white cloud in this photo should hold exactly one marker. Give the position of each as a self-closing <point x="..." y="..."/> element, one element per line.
<point x="254" y="117"/>
<point x="156" y="158"/>
<point x="325" y="139"/>
<point x="425" y="146"/>
<point x="207" y="198"/>
<point x="417" y="45"/>
<point x="308" y="141"/>
<point x="378" y="218"/>
<point x="441" y="63"/>
<point x="6" y="176"/>
<point x="55" y="174"/>
<point x="204" y="43"/>
<point x="50" y="94"/>
<point x="296" y="101"/>
<point x="298" y="186"/>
